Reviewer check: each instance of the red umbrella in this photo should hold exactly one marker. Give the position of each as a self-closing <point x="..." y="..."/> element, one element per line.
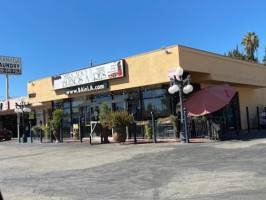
<point x="209" y="100"/>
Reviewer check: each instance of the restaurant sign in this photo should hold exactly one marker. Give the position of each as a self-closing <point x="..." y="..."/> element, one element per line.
<point x="89" y="75"/>
<point x="86" y="88"/>
<point x="10" y="65"/>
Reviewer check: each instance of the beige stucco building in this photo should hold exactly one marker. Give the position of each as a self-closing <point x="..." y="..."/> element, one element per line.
<point x="143" y="85"/>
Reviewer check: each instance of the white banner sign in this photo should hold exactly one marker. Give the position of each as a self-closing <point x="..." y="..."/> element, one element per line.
<point x="10" y="65"/>
<point x="89" y="75"/>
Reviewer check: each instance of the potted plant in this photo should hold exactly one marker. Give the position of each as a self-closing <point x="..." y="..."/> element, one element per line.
<point x="118" y="120"/>
<point x="104" y="112"/>
<point x="55" y="123"/>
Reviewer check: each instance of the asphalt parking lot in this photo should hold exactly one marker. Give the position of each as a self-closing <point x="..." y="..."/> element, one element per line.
<point x="233" y="169"/>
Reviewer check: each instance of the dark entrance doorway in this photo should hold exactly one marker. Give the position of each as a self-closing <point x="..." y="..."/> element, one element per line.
<point x="9" y="122"/>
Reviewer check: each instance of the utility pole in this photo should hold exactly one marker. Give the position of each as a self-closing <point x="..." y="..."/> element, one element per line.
<point x="7" y="88"/>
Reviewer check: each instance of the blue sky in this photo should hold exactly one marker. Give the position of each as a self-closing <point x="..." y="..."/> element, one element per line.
<point x="58" y="36"/>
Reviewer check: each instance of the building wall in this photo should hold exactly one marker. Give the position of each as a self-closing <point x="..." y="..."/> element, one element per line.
<point x="141" y="70"/>
<point x="218" y="68"/>
<point x="206" y="68"/>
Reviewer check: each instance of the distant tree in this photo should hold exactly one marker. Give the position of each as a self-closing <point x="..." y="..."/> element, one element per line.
<point x="251" y="43"/>
<point x="230" y="54"/>
<point x="236" y="54"/>
<point x="264" y="58"/>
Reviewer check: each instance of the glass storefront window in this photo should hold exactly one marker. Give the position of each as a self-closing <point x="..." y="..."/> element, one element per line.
<point x="61" y="104"/>
<point x="76" y="101"/>
<point x="119" y="106"/>
<point x="160" y="107"/>
<point x="75" y="115"/>
<point x="58" y="104"/>
<point x="101" y="97"/>
<point x="122" y="96"/>
<point x="154" y="93"/>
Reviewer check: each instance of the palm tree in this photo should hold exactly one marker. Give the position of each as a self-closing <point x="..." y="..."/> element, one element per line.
<point x="251" y="43"/>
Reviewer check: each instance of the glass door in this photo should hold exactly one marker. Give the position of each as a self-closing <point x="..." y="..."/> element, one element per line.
<point x="94" y="116"/>
<point x="95" y="111"/>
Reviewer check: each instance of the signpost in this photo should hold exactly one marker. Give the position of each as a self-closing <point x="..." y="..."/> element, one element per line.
<point x="10" y="66"/>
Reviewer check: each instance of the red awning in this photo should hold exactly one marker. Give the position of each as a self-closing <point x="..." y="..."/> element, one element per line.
<point x="209" y="100"/>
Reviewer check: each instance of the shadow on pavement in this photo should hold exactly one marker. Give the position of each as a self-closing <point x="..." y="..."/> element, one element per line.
<point x="245" y="136"/>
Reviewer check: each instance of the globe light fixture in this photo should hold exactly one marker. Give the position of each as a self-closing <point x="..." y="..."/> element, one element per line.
<point x="179" y="71"/>
<point x="183" y="86"/>
<point x="175" y="88"/>
<point x="187" y="89"/>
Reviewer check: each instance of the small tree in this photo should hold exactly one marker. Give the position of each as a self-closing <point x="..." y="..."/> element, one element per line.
<point x="119" y="119"/>
<point x="55" y="122"/>
<point x="148" y="131"/>
<point x="104" y="111"/>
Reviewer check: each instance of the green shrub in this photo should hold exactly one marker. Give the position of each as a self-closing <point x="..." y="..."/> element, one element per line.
<point x="148" y="131"/>
<point x="174" y="120"/>
<point x="104" y="111"/>
<point x="165" y="121"/>
<point x="55" y="122"/>
<point x="38" y="128"/>
<point x="46" y="130"/>
<point x="35" y="129"/>
<point x="118" y="119"/>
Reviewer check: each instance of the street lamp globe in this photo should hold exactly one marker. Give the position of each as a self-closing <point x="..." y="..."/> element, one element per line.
<point x="187" y="89"/>
<point x="175" y="88"/>
<point x="21" y="100"/>
<point x="27" y="110"/>
<point x="170" y="90"/>
<point x="179" y="71"/>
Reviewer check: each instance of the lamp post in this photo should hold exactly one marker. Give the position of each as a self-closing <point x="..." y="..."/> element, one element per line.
<point x="178" y="84"/>
<point x="21" y="107"/>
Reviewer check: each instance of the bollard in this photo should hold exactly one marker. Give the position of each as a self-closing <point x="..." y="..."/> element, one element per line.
<point x="30" y="133"/>
<point x="80" y="138"/>
<point x="135" y="136"/>
<point x="19" y="130"/>
<point x="153" y="127"/>
<point x="1" y="197"/>
<point x="186" y="128"/>
<point x="61" y="131"/>
<point x="248" y="119"/>
<point x="81" y="132"/>
<point x="41" y="133"/>
<point x="258" y="115"/>
<point x="50" y="129"/>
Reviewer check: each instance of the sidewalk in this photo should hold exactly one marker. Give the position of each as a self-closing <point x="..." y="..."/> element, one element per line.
<point x="131" y="141"/>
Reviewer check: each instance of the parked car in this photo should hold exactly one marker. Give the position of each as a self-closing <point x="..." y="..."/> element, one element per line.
<point x="5" y="134"/>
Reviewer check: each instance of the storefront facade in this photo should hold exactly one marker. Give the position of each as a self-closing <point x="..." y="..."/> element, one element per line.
<point x="139" y="84"/>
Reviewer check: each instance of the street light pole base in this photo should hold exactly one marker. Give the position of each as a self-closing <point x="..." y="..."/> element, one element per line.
<point x="182" y="137"/>
<point x="24" y="139"/>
